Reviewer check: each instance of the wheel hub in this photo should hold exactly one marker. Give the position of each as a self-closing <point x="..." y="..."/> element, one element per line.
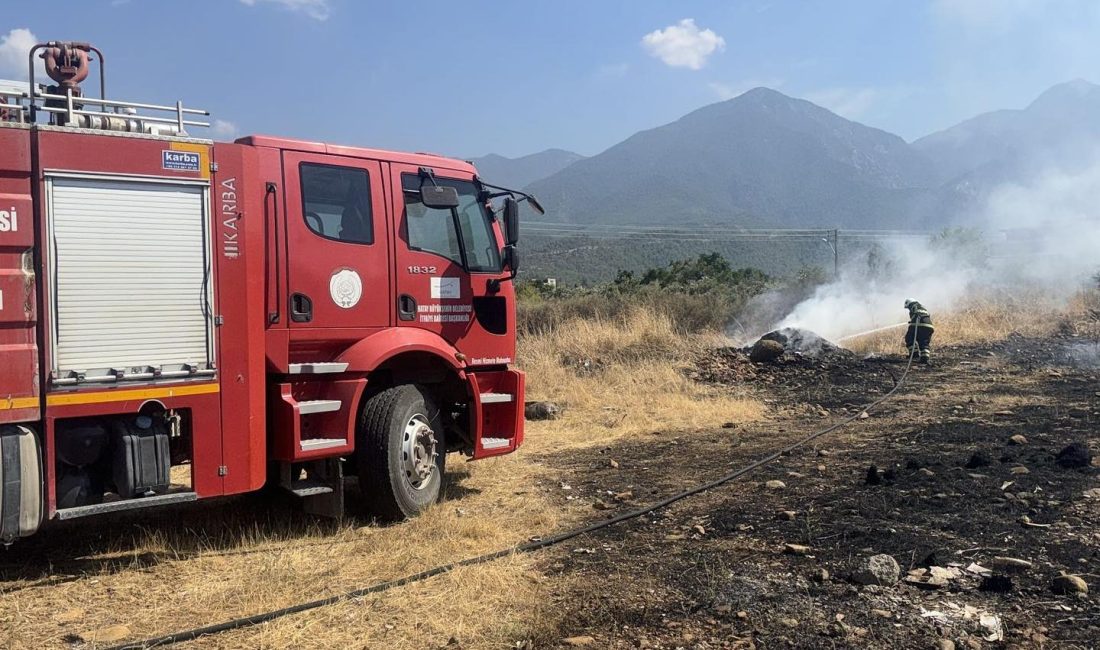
<point x="419" y="451"/>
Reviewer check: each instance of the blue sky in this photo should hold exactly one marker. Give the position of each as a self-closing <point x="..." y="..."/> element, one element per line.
<point x="469" y="78"/>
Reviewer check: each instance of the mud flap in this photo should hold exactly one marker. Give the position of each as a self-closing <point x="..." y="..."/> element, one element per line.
<point x="21" y="489"/>
<point x="330" y="472"/>
<point x="321" y="493"/>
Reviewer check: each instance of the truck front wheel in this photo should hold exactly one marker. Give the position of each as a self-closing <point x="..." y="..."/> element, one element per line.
<point x="400" y="452"/>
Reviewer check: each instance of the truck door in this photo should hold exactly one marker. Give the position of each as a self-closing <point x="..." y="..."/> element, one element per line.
<point x="337" y="244"/>
<point x="446" y="264"/>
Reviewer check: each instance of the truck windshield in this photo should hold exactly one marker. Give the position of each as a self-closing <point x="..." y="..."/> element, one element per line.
<point x="467" y="239"/>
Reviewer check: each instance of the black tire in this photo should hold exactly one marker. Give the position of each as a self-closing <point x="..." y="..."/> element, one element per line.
<point x="391" y="490"/>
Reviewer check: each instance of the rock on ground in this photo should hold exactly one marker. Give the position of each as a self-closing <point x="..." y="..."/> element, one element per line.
<point x="796" y="549"/>
<point x="1069" y="585"/>
<point x="1011" y="563"/>
<point x="541" y="411"/>
<point x="877" y="570"/>
<point x="765" y="350"/>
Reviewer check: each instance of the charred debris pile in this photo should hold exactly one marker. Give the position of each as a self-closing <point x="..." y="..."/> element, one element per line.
<point x="796" y="343"/>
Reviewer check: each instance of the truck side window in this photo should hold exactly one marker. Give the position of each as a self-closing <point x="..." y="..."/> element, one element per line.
<point x="336" y="202"/>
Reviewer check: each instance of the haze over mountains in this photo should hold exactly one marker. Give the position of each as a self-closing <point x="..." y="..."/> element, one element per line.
<point x="764" y="159"/>
<point x="521" y="172"/>
<point x="1060" y="129"/>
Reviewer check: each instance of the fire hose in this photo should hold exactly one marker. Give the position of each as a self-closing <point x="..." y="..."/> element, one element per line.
<point x="527" y="547"/>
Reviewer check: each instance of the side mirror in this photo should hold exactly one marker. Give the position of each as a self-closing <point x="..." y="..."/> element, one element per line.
<point x="511" y="222"/>
<point x="438" y="197"/>
<point x="511" y="258"/>
<point x="535" y="205"/>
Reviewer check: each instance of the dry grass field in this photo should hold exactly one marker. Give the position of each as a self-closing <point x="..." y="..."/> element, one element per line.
<point x="993" y="316"/>
<point x="619" y="381"/>
<point x="622" y="377"/>
<point x="132" y="576"/>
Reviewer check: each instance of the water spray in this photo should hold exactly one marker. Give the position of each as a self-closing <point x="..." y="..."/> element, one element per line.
<point x="877" y="329"/>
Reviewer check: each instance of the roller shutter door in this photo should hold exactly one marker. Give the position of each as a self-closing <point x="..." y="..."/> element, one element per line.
<point x="130" y="268"/>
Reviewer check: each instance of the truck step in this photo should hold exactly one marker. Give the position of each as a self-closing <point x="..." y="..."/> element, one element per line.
<point x="318" y="406"/>
<point x="308" y="488"/>
<point x="495" y="398"/>
<point x="313" y="444"/>
<point x="125" y="504"/>
<point x="495" y="443"/>
<point x="320" y="367"/>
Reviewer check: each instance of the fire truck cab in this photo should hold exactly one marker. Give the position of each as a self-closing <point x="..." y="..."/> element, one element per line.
<point x="183" y="319"/>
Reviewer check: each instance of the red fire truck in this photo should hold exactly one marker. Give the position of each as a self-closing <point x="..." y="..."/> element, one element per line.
<point x="183" y="319"/>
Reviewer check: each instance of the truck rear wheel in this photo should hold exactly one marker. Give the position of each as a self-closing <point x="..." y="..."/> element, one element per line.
<point x="400" y="452"/>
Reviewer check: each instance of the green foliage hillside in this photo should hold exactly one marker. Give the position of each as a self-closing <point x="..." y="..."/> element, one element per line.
<point x="587" y="260"/>
<point x="703" y="293"/>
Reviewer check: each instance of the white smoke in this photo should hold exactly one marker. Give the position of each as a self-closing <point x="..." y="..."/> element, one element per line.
<point x="1043" y="234"/>
<point x="867" y="298"/>
<point x="1059" y="213"/>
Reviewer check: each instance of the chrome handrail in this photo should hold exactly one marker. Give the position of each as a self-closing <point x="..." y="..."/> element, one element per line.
<point x="27" y="105"/>
<point x="119" y="104"/>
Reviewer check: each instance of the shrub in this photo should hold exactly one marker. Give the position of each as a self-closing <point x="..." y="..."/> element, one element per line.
<point x="698" y="295"/>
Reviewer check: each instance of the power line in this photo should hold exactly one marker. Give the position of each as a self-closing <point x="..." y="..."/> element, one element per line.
<point x="641" y="232"/>
<point x="701" y="237"/>
<point x="619" y="228"/>
<point x="573" y="233"/>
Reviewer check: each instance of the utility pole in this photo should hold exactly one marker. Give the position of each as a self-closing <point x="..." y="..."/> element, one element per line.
<point x="833" y="242"/>
<point x="836" y="252"/>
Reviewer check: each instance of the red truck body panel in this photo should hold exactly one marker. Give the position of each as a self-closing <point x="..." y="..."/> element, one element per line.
<point x="19" y="387"/>
<point x="265" y="253"/>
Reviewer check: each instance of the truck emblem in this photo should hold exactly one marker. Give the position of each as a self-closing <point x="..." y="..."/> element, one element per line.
<point x="346" y="288"/>
<point x="184" y="161"/>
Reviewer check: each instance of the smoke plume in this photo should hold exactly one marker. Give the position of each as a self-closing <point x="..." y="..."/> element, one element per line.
<point x="1042" y="234"/>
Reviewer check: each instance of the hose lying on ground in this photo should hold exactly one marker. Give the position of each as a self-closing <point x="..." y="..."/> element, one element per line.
<point x="255" y="619"/>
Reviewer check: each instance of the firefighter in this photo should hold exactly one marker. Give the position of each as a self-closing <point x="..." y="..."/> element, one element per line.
<point x="918" y="337"/>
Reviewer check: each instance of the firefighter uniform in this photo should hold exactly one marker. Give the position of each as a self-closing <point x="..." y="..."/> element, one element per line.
<point x="918" y="337"/>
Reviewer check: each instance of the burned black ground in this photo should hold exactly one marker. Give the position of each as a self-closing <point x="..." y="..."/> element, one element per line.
<point x="712" y="571"/>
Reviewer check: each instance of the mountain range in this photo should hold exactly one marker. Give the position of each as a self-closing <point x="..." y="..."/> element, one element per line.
<point x="1059" y="130"/>
<point x="764" y="159"/>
